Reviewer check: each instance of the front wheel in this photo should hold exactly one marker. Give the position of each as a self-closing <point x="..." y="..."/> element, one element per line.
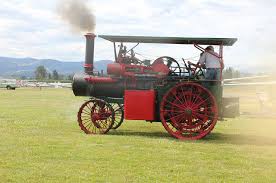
<point x="96" y="117"/>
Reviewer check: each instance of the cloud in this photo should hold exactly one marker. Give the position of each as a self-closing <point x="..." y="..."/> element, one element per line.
<point x="31" y="28"/>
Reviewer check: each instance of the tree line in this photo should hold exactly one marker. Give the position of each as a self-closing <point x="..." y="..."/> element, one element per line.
<point x="230" y="73"/>
<point x="42" y="74"/>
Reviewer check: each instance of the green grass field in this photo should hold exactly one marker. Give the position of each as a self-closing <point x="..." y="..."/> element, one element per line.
<point x="42" y="142"/>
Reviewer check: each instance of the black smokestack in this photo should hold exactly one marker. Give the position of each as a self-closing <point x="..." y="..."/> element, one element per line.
<point x="89" y="53"/>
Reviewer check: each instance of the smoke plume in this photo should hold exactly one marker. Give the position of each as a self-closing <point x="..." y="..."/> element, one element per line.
<point x="77" y="14"/>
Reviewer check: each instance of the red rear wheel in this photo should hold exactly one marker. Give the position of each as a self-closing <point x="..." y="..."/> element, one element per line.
<point x="96" y="117"/>
<point x="188" y="111"/>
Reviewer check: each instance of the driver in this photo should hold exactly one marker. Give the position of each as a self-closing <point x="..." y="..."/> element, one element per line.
<point x="211" y="61"/>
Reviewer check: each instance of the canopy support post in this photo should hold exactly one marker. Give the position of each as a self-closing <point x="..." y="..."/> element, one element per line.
<point x="115" y="52"/>
<point x="221" y="59"/>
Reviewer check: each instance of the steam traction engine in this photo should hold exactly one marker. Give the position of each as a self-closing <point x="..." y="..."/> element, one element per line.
<point x="163" y="90"/>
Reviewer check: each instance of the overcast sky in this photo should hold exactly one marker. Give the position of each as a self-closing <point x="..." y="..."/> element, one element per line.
<point x="31" y="28"/>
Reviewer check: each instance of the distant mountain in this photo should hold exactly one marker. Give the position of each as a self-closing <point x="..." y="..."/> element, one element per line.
<point x="26" y="66"/>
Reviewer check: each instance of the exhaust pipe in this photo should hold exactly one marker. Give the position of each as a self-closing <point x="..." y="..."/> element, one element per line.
<point x="89" y="53"/>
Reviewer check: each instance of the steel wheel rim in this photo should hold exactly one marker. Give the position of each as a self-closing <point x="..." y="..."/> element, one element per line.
<point x="96" y="117"/>
<point x="188" y="111"/>
<point x="118" y="114"/>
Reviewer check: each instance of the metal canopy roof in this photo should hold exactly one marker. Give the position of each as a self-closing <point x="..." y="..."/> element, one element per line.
<point x="170" y="40"/>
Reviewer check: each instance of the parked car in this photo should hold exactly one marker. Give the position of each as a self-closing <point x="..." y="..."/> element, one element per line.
<point x="10" y="84"/>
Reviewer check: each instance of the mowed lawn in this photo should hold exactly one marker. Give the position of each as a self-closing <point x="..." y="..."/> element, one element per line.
<point x="42" y="142"/>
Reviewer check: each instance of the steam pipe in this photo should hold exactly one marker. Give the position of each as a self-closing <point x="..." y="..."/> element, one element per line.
<point x="89" y="53"/>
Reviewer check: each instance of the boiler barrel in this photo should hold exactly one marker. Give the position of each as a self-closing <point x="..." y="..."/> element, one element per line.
<point x="82" y="87"/>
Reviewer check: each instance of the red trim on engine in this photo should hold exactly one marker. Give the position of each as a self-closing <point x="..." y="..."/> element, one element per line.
<point x="90" y="35"/>
<point x="100" y="80"/>
<point x="87" y="65"/>
<point x="156" y="70"/>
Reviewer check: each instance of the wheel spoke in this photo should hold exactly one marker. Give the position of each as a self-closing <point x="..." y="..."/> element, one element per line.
<point x="174" y="104"/>
<point x="172" y="110"/>
<point x="202" y="102"/>
<point x="183" y="94"/>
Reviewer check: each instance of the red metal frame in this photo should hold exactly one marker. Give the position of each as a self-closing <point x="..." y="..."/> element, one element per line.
<point x="220" y="56"/>
<point x="199" y="47"/>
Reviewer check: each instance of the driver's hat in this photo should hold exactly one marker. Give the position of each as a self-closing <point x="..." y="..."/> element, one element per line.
<point x="209" y="48"/>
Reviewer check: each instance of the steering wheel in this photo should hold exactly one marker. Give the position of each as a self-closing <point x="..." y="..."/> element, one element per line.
<point x="134" y="59"/>
<point x="194" y="69"/>
<point x="171" y="63"/>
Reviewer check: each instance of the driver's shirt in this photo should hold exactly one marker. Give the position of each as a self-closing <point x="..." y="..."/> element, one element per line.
<point x="210" y="60"/>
